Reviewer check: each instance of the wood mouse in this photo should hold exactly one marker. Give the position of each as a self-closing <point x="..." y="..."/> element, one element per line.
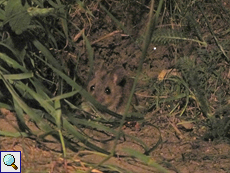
<point x="112" y="89"/>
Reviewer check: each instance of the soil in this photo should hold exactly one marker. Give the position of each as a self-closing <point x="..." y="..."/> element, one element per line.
<point x="179" y="150"/>
<point x="177" y="147"/>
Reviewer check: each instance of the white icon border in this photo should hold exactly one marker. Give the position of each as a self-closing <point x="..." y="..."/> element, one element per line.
<point x="9" y="169"/>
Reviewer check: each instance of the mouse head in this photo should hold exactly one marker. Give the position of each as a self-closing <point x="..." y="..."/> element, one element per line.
<point x="107" y="86"/>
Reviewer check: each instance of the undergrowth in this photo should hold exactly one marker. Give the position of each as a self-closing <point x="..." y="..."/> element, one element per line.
<point x="40" y="62"/>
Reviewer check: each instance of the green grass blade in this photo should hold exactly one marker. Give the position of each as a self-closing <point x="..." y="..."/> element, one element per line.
<point x="145" y="159"/>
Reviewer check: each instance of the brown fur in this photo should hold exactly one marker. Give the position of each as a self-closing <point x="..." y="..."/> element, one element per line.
<point x="112" y="88"/>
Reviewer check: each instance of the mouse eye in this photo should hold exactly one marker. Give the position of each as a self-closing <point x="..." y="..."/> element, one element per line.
<point x="107" y="90"/>
<point x="92" y="88"/>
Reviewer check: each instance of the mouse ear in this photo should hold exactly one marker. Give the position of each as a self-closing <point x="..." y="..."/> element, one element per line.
<point x="118" y="74"/>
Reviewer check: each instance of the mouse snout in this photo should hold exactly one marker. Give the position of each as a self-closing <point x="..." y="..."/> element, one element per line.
<point x="100" y="100"/>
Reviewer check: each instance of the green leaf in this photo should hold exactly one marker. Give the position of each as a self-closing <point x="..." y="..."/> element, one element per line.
<point x="34" y="11"/>
<point x="11" y="62"/>
<point x="145" y="159"/>
<point x="47" y="54"/>
<point x="17" y="16"/>
<point x="19" y="76"/>
<point x="24" y="107"/>
<point x="2" y="14"/>
<point x="11" y="134"/>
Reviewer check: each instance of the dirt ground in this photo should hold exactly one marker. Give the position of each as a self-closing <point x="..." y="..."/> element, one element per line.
<point x="182" y="148"/>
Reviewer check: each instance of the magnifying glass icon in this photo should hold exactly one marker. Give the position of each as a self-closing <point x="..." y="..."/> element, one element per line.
<point x="9" y="160"/>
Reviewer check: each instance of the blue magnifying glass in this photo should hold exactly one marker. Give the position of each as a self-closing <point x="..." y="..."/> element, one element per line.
<point x="9" y="160"/>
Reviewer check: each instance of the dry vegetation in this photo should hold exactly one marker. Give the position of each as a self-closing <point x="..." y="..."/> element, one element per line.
<point x="178" y="53"/>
